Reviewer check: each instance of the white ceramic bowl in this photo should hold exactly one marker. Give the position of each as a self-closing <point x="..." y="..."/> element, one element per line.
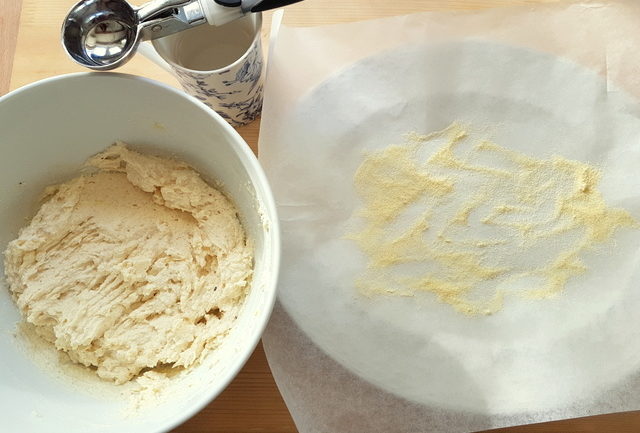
<point x="47" y="130"/>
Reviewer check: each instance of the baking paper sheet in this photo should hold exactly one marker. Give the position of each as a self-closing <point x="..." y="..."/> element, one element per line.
<point x="542" y="81"/>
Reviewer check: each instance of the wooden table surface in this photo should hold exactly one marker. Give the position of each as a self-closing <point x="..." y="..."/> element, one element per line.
<point x="30" y="50"/>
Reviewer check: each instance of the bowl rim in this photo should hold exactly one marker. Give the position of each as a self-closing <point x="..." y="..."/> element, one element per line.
<point x="252" y="165"/>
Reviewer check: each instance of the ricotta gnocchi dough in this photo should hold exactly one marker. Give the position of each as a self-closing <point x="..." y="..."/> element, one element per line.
<point x="137" y="266"/>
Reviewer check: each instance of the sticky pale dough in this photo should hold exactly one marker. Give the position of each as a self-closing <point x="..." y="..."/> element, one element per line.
<point x="137" y="266"/>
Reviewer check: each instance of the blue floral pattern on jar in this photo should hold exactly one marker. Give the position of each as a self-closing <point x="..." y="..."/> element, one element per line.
<point x="237" y="97"/>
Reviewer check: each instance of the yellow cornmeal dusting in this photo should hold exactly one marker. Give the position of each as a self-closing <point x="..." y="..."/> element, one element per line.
<point x="397" y="173"/>
<point x="471" y="221"/>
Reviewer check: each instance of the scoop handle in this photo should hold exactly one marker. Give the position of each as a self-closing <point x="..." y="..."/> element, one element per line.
<point x="148" y="10"/>
<point x="265" y="5"/>
<point x="220" y="12"/>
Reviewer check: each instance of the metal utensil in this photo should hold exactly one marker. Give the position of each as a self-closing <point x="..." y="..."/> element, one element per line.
<point x="104" y="34"/>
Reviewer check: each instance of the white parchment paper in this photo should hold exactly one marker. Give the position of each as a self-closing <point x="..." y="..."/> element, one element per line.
<point x="407" y="364"/>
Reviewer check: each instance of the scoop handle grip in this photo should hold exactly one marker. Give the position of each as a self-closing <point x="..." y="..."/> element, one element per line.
<point x="219" y="12"/>
<point x="265" y="5"/>
<point x="149" y="10"/>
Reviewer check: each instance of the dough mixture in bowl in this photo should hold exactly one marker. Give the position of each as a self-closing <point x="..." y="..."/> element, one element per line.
<point x="139" y="265"/>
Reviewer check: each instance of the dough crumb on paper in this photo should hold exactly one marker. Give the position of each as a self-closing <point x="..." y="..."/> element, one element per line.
<point x="472" y="222"/>
<point x="137" y="269"/>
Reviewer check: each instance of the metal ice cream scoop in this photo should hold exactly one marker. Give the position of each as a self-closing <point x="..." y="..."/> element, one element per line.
<point x="104" y="34"/>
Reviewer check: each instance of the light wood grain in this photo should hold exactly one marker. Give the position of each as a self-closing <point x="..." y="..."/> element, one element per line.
<point x="9" y="19"/>
<point x="251" y="404"/>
